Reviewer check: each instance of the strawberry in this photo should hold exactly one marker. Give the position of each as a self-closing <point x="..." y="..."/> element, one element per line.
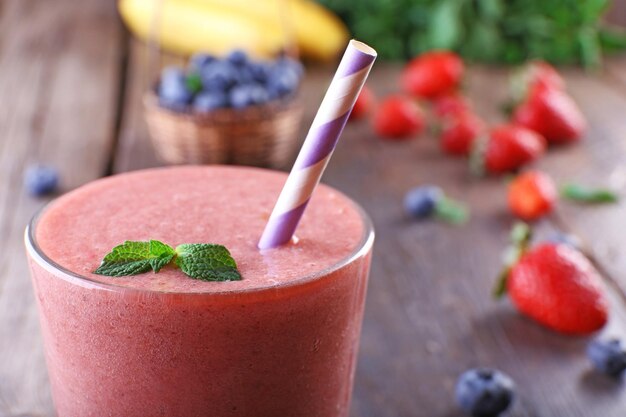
<point x="532" y="195"/>
<point x="557" y="286"/>
<point x="398" y="118"/>
<point x="450" y="105"/>
<point x="535" y="74"/>
<point x="459" y="132"/>
<point x="363" y="104"/>
<point x="551" y="113"/>
<point x="540" y="73"/>
<point x="507" y="148"/>
<point x="432" y="74"/>
<point x="554" y="284"/>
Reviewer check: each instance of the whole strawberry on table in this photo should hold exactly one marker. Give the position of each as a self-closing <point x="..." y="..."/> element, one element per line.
<point x="554" y="284"/>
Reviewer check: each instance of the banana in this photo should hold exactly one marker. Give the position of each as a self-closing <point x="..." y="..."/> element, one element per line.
<point x="319" y="33"/>
<point x="262" y="27"/>
<point x="186" y="27"/>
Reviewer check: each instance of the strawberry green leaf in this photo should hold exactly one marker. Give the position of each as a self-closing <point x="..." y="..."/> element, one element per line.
<point x="520" y="237"/>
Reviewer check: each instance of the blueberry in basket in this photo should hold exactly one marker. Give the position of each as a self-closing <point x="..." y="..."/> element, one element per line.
<point x="234" y="81"/>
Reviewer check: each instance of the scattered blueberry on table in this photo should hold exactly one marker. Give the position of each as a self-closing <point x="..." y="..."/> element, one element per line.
<point x="608" y="356"/>
<point x="420" y="202"/>
<point x="428" y="200"/>
<point x="233" y="81"/>
<point x="40" y="180"/>
<point x="484" y="392"/>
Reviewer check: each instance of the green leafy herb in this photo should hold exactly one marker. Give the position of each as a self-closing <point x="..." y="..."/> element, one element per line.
<point x="502" y="31"/>
<point x="452" y="211"/>
<point x="162" y="255"/>
<point x="207" y="262"/>
<point x="193" y="82"/>
<point x="588" y="195"/>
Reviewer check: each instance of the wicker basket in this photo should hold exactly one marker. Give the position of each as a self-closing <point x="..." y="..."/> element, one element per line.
<point x="264" y="135"/>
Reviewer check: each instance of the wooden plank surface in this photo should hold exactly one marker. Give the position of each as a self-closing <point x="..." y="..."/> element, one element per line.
<point x="429" y="313"/>
<point x="58" y="78"/>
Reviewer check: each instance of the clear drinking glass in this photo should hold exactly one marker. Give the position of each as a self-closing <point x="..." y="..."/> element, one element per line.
<point x="285" y="351"/>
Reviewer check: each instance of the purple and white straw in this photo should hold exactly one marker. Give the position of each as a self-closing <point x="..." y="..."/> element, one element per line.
<point x="319" y="144"/>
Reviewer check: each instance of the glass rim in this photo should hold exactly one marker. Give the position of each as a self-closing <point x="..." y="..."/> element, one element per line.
<point x="39" y="256"/>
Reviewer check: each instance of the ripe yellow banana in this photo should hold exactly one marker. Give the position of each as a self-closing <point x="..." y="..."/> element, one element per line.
<point x="262" y="27"/>
<point x="185" y="27"/>
<point x="318" y="33"/>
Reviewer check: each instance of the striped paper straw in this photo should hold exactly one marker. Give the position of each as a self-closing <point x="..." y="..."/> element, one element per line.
<point x="319" y="144"/>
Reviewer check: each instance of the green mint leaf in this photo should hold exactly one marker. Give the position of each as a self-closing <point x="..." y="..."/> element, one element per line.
<point x="584" y="194"/>
<point x="132" y="258"/>
<point x="207" y="262"/>
<point x="193" y="82"/>
<point x="129" y="258"/>
<point x="161" y="255"/>
<point x="451" y="211"/>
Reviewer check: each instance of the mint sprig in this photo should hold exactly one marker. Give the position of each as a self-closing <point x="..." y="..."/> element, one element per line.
<point x="202" y="261"/>
<point x="207" y="262"/>
<point x="452" y="211"/>
<point x="585" y="194"/>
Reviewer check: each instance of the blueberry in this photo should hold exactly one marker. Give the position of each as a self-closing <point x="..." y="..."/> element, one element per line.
<point x="40" y="180"/>
<point x="292" y="64"/>
<point x="607" y="356"/>
<point x="567" y="239"/>
<point x="259" y="71"/>
<point x="282" y="81"/>
<point x="248" y="95"/>
<point x="484" y="392"/>
<point x="201" y="60"/>
<point x="208" y="100"/>
<point x="219" y="76"/>
<point x="237" y="57"/>
<point x="420" y="202"/>
<point x="173" y="90"/>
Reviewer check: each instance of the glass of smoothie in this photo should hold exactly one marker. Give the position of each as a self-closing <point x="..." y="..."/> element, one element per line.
<point x="281" y="342"/>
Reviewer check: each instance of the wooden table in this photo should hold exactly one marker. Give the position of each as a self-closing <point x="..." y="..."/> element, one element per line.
<point x="71" y="82"/>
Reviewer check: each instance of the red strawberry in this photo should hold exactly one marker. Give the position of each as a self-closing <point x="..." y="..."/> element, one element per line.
<point x="432" y="74"/>
<point x="460" y="132"/>
<point x="363" y="104"/>
<point x="399" y="118"/>
<point x="509" y="147"/>
<point x="540" y="73"/>
<point x="535" y="74"/>
<point x="557" y="286"/>
<point x="551" y="113"/>
<point x="450" y="105"/>
<point x="532" y="195"/>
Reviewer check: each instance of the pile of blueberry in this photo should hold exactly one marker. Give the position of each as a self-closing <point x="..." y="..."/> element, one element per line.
<point x="234" y="81"/>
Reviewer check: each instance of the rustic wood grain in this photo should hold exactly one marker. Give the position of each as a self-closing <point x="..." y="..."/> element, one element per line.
<point x="429" y="314"/>
<point x="58" y="80"/>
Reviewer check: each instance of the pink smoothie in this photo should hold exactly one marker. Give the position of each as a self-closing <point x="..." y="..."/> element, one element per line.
<point x="281" y="342"/>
